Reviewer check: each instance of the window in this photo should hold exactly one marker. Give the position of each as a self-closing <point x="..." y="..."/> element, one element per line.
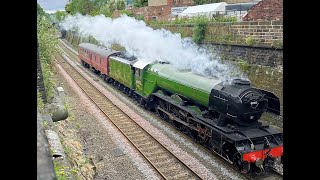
<point x="138" y="72"/>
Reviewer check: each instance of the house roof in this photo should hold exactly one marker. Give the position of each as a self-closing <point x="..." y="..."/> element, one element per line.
<point x="205" y="8"/>
<point x="97" y="49"/>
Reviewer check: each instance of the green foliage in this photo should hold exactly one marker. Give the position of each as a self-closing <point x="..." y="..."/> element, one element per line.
<point x="45" y="125"/>
<point x="60" y="15"/>
<point x="105" y="10"/>
<point x="250" y="41"/>
<point x="74" y="171"/>
<point x="108" y="8"/>
<point x="99" y="3"/>
<point x="128" y="13"/>
<point x="120" y="5"/>
<point x="40" y="104"/>
<point x="47" y="40"/>
<point x="59" y="169"/>
<point x="277" y="44"/>
<point x="199" y="2"/>
<point x="80" y="6"/>
<point x="140" y="17"/>
<point x="68" y="8"/>
<point x="243" y="65"/>
<point x="199" y="29"/>
<point x="140" y="3"/>
<point x="180" y="21"/>
<point x="40" y="11"/>
<point x="224" y="19"/>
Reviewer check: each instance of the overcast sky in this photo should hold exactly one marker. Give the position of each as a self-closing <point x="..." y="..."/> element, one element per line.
<point x="52" y="5"/>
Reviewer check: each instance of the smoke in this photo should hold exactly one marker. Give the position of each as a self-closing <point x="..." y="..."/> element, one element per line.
<point x="151" y="45"/>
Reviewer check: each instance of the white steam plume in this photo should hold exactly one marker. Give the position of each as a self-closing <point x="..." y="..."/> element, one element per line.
<point x="153" y="45"/>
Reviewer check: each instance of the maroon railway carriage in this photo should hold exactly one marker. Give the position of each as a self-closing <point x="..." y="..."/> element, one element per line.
<point x="95" y="57"/>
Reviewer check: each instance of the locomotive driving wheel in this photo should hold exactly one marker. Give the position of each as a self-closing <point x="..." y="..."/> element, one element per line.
<point x="242" y="166"/>
<point x="161" y="114"/>
<point x="177" y="124"/>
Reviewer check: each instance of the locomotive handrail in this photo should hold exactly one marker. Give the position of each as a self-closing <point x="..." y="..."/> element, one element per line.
<point x="263" y="129"/>
<point x="246" y="137"/>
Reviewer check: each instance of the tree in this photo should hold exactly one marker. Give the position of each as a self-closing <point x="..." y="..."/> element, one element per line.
<point x="80" y="6"/>
<point x="140" y="3"/>
<point x="60" y="15"/>
<point x="40" y="11"/>
<point x="120" y="5"/>
<point x="47" y="47"/>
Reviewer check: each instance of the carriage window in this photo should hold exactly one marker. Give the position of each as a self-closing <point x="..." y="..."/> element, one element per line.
<point x="138" y="71"/>
<point x="98" y="59"/>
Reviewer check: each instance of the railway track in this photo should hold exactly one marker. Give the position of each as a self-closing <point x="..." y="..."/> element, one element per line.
<point x="162" y="160"/>
<point x="266" y="175"/>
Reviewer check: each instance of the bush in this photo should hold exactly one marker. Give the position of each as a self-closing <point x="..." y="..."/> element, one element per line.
<point x="128" y="13"/>
<point x="140" y="17"/>
<point x="243" y="65"/>
<point x="199" y="29"/>
<point x="224" y="19"/>
<point x="277" y="44"/>
<point x="250" y="41"/>
<point x="48" y="42"/>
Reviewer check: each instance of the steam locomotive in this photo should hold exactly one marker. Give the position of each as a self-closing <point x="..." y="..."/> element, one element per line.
<point x="222" y="117"/>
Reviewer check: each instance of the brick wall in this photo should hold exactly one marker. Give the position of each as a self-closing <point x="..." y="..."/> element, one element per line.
<point x="162" y="13"/>
<point x="265" y="33"/>
<point x="252" y="55"/>
<point x="157" y="2"/>
<point x="265" y="10"/>
<point x="170" y="2"/>
<point x="181" y="2"/>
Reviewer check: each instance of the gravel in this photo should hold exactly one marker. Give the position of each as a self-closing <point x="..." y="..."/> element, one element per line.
<point x="99" y="138"/>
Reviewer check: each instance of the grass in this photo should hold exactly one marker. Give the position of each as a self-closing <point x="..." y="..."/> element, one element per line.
<point x="40" y="104"/>
<point x="60" y="171"/>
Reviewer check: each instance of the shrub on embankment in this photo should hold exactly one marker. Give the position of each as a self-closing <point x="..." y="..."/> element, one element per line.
<point x="47" y="40"/>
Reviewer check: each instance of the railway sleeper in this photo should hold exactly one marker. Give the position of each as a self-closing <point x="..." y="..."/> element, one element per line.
<point x="139" y="141"/>
<point x="147" y="145"/>
<point x="163" y="162"/>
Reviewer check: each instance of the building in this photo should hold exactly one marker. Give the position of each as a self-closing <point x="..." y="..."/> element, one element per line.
<point x="208" y="10"/>
<point x="238" y="1"/>
<point x="239" y="10"/>
<point x="270" y="10"/>
<point x="170" y="2"/>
